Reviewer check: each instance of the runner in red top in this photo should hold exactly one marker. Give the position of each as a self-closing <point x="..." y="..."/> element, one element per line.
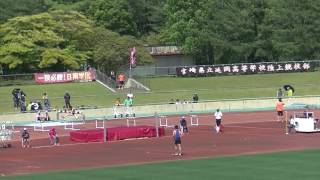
<point x="53" y="137"/>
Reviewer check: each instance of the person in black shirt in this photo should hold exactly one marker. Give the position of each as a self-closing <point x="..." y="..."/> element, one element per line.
<point x="183" y="124"/>
<point x="25" y="138"/>
<point x="67" y="98"/>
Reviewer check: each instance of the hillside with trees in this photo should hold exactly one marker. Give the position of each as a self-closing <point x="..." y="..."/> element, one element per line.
<point x="59" y="35"/>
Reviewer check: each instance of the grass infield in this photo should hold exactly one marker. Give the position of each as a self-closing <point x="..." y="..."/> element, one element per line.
<point x="167" y="88"/>
<point x="275" y="166"/>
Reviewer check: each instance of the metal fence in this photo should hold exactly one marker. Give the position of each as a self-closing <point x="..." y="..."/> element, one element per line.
<point x="16" y="79"/>
<point x="106" y="79"/>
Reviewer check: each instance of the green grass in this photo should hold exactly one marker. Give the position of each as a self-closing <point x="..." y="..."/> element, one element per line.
<point x="229" y="87"/>
<point x="164" y="89"/>
<point x="90" y="93"/>
<point x="276" y="166"/>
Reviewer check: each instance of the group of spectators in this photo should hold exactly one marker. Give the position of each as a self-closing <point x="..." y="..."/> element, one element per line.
<point x="288" y="92"/>
<point x="195" y="99"/>
<point x="19" y="99"/>
<point x="20" y="103"/>
<point x="120" y="80"/>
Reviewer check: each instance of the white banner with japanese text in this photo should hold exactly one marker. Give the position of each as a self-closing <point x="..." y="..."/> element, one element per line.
<point x="245" y="68"/>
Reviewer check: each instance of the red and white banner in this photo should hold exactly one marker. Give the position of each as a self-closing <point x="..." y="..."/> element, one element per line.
<point x="63" y="77"/>
<point x="133" y="57"/>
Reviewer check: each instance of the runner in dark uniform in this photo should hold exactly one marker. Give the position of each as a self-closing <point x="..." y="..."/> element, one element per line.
<point x="183" y="124"/>
<point x="25" y="138"/>
<point x="177" y="133"/>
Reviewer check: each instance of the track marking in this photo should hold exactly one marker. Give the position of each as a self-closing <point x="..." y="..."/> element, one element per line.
<point x="252" y="127"/>
<point x="61" y="145"/>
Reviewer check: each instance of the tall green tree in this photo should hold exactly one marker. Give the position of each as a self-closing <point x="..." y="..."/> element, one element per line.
<point x="128" y="17"/>
<point x="45" y="41"/>
<point x="238" y="31"/>
<point x="296" y="29"/>
<point x="115" y="15"/>
<point x="14" y="8"/>
<point x="186" y="26"/>
<point x="220" y="31"/>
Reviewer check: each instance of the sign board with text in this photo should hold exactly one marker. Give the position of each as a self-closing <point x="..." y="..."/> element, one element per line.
<point x="245" y="68"/>
<point x="63" y="77"/>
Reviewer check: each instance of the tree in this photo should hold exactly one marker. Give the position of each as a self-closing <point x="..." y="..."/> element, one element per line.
<point x="219" y="31"/>
<point x="296" y="30"/>
<point x="128" y="17"/>
<point x="186" y="27"/>
<point x="111" y="51"/>
<point x="13" y="8"/>
<point x="45" y="41"/>
<point x="114" y="15"/>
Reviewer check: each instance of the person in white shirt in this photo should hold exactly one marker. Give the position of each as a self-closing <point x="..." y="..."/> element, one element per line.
<point x="218" y="115"/>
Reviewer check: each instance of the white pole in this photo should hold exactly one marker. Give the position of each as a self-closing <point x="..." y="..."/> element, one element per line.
<point x="156" y="121"/>
<point x="104" y="132"/>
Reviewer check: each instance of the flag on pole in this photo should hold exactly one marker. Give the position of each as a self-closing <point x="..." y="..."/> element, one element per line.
<point x="133" y="57"/>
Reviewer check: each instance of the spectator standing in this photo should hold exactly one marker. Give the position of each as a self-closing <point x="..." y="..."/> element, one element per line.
<point x="113" y="76"/>
<point x="218" y="116"/>
<point x="290" y="93"/>
<point x="15" y="98"/>
<point x="128" y="102"/>
<point x="46" y="102"/>
<point x="279" y="93"/>
<point x="25" y="138"/>
<point x="121" y="80"/>
<point x="67" y="99"/>
<point x="23" y="104"/>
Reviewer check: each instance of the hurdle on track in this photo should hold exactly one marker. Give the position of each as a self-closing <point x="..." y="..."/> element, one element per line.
<point x="101" y="126"/>
<point x="194" y="120"/>
<point x="131" y="119"/>
<point x="7" y="124"/>
<point x="118" y="111"/>
<point x="70" y="125"/>
<point x="163" y="121"/>
<point x="38" y="126"/>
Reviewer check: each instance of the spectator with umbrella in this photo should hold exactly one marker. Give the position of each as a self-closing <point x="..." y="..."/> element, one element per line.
<point x="289" y="89"/>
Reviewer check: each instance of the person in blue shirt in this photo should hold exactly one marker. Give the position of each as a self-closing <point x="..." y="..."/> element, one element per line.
<point x="177" y="134"/>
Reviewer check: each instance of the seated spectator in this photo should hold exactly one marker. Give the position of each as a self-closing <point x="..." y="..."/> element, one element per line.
<point x="117" y="102"/>
<point x="195" y="98"/>
<point x="25" y="138"/>
<point x="171" y="101"/>
<point x="177" y="101"/>
<point x="291" y="125"/>
<point x="43" y="117"/>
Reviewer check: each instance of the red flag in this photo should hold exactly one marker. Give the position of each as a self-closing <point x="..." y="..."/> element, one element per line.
<point x="133" y="56"/>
